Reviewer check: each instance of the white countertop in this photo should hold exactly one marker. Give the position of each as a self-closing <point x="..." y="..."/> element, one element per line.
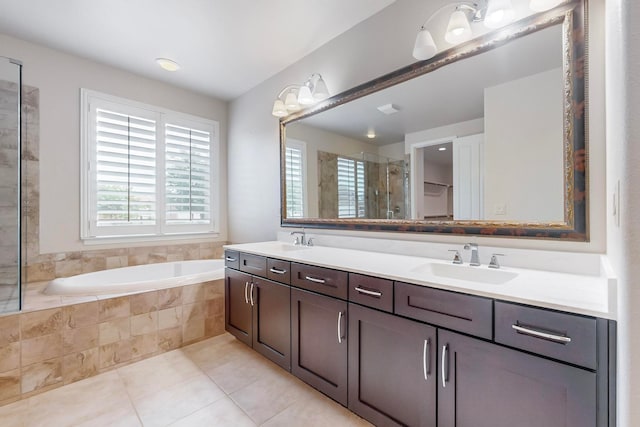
<point x="592" y="295"/>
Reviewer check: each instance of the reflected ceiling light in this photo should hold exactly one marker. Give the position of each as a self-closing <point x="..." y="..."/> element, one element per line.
<point x="168" y="64"/>
<point x="371" y="134"/>
<point x="542" y="5"/>
<point x="298" y="96"/>
<point x="442" y="149"/>
<point x="493" y="13"/>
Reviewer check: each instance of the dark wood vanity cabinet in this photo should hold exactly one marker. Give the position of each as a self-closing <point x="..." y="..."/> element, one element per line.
<point x="392" y="369"/>
<point x="258" y="314"/>
<point x="319" y="342"/>
<point x="486" y="385"/>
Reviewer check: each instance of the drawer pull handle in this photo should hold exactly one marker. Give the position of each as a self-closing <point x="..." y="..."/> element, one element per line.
<point x="314" y="280"/>
<point x="340" y="327"/>
<point x="246" y="297"/>
<point x="277" y="271"/>
<point x="368" y="292"/>
<point x="426" y="363"/>
<point x="231" y="259"/>
<point x="444" y="364"/>
<point x="251" y="294"/>
<point x="539" y="334"/>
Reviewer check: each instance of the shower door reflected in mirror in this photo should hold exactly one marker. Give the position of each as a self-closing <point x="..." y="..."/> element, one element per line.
<point x="10" y="212"/>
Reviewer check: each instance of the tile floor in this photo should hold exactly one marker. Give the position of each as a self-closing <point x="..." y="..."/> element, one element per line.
<point x="216" y="382"/>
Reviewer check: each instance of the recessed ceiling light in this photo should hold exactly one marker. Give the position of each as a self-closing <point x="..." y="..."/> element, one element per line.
<point x="371" y="134"/>
<point x="168" y="64"/>
<point x="442" y="149"/>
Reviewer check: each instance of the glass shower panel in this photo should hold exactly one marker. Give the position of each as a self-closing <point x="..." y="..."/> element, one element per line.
<point x="10" y="209"/>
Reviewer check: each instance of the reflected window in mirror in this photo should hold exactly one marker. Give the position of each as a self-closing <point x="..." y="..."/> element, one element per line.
<point x="295" y="160"/>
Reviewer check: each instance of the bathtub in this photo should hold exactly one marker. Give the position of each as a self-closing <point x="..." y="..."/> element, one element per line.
<point x="138" y="278"/>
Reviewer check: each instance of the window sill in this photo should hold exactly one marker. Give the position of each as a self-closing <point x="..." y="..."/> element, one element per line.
<point x="140" y="238"/>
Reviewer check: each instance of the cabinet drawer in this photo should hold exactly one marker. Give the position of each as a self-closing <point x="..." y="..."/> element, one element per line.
<point x="279" y="270"/>
<point x="232" y="259"/>
<point x="464" y="313"/>
<point x="371" y="291"/>
<point x="254" y="264"/>
<point x="567" y="337"/>
<point x="319" y="279"/>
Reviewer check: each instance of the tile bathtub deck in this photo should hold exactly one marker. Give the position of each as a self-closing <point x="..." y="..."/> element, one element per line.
<point x="216" y="382"/>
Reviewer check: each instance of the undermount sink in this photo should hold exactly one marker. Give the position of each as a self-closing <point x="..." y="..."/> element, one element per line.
<point x="287" y="247"/>
<point x="467" y="273"/>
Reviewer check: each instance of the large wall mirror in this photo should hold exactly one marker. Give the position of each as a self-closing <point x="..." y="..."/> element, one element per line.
<point x="485" y="138"/>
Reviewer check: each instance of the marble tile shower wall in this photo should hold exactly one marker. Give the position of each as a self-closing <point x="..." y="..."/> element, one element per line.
<point x="45" y="349"/>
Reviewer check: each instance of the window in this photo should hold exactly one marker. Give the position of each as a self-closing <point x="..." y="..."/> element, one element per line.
<point x="295" y="178"/>
<point x="351" y="189"/>
<point x="149" y="171"/>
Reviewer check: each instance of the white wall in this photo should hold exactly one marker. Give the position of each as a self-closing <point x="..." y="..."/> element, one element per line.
<point x="59" y="77"/>
<point x="393" y="151"/>
<point x="523" y="149"/>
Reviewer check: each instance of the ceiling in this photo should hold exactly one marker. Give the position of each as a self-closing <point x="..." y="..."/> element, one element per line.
<point x="224" y="47"/>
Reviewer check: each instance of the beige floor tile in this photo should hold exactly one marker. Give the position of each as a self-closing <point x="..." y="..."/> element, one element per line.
<point x="177" y="401"/>
<point x="14" y="414"/>
<point x="222" y="413"/>
<point x="82" y="402"/>
<point x="217" y="351"/>
<point x="156" y="373"/>
<point x="244" y="368"/>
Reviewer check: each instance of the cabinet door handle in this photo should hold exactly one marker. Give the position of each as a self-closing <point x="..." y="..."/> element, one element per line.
<point x="314" y="280"/>
<point x="444" y="364"/>
<point x="540" y="334"/>
<point x="230" y="259"/>
<point x="340" y="327"/>
<point x="426" y="353"/>
<point x="251" y="294"/>
<point x="277" y="271"/>
<point x="368" y="292"/>
<point x="246" y="297"/>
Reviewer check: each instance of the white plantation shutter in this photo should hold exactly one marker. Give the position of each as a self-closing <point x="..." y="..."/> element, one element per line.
<point x="294" y="181"/>
<point x="125" y="169"/>
<point x="187" y="175"/>
<point x="350" y="188"/>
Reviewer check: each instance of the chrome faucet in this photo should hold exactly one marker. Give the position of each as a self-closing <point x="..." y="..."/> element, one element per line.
<point x="475" y="260"/>
<point x="299" y="241"/>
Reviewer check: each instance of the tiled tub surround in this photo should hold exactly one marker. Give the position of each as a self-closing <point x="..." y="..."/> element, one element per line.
<point x="49" y="347"/>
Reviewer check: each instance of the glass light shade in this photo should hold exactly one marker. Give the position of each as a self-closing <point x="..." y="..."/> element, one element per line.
<point x="425" y="47"/>
<point x="499" y="13"/>
<point x="458" y="30"/>
<point x="542" y="5"/>
<point x="320" y="90"/>
<point x="304" y="96"/>
<point x="291" y="102"/>
<point x="279" y="110"/>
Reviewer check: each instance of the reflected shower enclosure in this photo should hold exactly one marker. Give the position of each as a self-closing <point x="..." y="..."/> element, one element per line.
<point x="10" y="173"/>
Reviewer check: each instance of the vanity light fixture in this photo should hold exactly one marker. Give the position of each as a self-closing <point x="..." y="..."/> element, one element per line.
<point x="168" y="64"/>
<point x="298" y="96"/>
<point x="493" y="13"/>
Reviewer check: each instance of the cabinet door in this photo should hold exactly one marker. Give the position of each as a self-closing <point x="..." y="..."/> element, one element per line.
<point x="318" y="341"/>
<point x="272" y="321"/>
<point x="237" y="305"/>
<point x="486" y="385"/>
<point x="392" y="369"/>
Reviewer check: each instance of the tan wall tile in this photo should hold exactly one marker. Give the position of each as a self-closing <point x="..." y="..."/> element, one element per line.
<point x="10" y="357"/>
<point x="215" y="307"/>
<point x="193" y="293"/>
<point x="114" y="331"/>
<point x="79" y="339"/>
<point x="40" y="271"/>
<point x="170" y="318"/>
<point x="138" y="259"/>
<point x="80" y="365"/>
<point x="193" y="322"/>
<point x="144" y="323"/>
<point x="155" y="257"/>
<point x="175" y="257"/>
<point x="144" y="345"/>
<point x="117" y="261"/>
<point x="214" y="289"/>
<point x="115" y="354"/>
<point x="40" y="375"/>
<point x="170" y="297"/>
<point x="113" y="308"/>
<point x="207" y="253"/>
<point x="41" y="348"/>
<point x="93" y="262"/>
<point x="214" y="326"/>
<point x="80" y="315"/>
<point x="9" y="384"/>
<point x="38" y="323"/>
<point x="9" y="329"/>
<point x="170" y="339"/>
<point x="68" y="268"/>
<point x="144" y="303"/>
